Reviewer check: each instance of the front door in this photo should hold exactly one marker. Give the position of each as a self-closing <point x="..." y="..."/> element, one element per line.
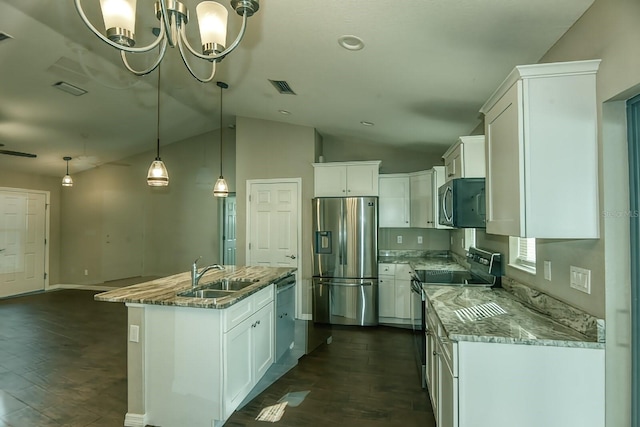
<point x="22" y="242"/>
<point x="273" y="224"/>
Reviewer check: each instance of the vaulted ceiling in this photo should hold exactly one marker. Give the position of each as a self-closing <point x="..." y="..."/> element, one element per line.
<point x="426" y="69"/>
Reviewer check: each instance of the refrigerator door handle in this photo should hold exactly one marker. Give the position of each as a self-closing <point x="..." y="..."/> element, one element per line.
<point x="346" y="284"/>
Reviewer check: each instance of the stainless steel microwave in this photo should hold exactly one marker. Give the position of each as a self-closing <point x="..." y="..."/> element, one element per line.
<point x="461" y="203"/>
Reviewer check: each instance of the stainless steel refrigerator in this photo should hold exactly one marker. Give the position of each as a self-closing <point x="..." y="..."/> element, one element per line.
<point x="345" y="260"/>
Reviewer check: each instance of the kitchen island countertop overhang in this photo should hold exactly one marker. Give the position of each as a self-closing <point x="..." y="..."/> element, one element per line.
<point x="164" y="291"/>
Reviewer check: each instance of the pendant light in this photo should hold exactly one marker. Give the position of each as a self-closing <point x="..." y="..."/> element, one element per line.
<point x="158" y="175"/>
<point x="67" y="181"/>
<point x="221" y="189"/>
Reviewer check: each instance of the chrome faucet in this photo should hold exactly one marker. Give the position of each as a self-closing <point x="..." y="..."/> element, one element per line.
<point x="196" y="275"/>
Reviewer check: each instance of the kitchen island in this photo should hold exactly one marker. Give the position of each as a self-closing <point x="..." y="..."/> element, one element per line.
<point x="192" y="361"/>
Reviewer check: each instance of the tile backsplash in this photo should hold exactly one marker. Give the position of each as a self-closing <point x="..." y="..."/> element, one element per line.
<point x="413" y="238"/>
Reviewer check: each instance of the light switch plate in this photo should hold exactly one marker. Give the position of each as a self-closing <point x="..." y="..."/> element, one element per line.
<point x="419" y="240"/>
<point x="580" y="279"/>
<point x="134" y="333"/>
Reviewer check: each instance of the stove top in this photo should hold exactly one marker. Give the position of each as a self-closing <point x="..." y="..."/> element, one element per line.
<point x="485" y="270"/>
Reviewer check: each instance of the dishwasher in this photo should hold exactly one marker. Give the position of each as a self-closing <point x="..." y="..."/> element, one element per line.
<point x="285" y="315"/>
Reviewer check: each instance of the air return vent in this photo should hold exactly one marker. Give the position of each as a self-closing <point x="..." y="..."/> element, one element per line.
<point x="4" y="36"/>
<point x="282" y="87"/>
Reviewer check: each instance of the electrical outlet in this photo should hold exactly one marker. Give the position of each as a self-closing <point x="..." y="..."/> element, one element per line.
<point x="547" y="270"/>
<point x="134" y="333"/>
<point x="86" y="272"/>
<point x="399" y="239"/>
<point x="580" y="279"/>
<point x="419" y="240"/>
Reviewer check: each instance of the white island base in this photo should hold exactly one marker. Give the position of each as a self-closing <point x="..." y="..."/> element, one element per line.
<point x="194" y="366"/>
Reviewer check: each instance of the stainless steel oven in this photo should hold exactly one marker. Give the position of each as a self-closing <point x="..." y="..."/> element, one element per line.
<point x="419" y="325"/>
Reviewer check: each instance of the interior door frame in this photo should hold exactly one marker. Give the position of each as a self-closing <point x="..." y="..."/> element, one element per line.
<point x="47" y="225"/>
<point x="298" y="182"/>
<point x="633" y="136"/>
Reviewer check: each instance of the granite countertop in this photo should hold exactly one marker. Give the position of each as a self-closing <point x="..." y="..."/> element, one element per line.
<point x="431" y="263"/>
<point x="519" y="325"/>
<point x="163" y="291"/>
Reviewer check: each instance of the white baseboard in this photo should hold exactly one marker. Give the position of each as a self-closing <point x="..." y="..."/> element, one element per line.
<point x="135" y="420"/>
<point x="305" y="317"/>
<point x="80" y="287"/>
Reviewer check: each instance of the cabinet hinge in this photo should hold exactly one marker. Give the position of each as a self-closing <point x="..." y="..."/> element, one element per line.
<point x="45" y="276"/>
<point x="249" y="245"/>
<point x="249" y="198"/>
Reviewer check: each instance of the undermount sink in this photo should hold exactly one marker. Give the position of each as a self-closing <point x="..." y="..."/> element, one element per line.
<point x="205" y="293"/>
<point x="218" y="289"/>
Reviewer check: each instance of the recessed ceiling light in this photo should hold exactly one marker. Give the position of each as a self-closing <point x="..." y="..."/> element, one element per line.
<point x="284" y="112"/>
<point x="351" y="42"/>
<point x="365" y="123"/>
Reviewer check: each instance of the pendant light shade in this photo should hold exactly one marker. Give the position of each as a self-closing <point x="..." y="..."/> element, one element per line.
<point x="67" y="181"/>
<point x="158" y="175"/>
<point x="221" y="189"/>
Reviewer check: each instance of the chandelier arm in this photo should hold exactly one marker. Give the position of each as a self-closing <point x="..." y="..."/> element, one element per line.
<point x="95" y="31"/>
<point x="163" y="49"/>
<point x="165" y="23"/>
<point x="219" y="56"/>
<point x="186" y="64"/>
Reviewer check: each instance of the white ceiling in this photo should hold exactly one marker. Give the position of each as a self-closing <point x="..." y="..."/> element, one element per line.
<point x="426" y="69"/>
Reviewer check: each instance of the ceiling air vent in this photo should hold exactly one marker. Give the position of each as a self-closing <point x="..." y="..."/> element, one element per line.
<point x="282" y="87"/>
<point x="4" y="36"/>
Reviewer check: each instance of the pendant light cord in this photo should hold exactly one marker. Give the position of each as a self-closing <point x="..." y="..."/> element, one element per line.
<point x="158" y="119"/>
<point x="221" y="89"/>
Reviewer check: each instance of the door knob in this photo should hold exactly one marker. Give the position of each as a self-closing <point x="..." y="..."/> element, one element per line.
<point x="291" y="256"/>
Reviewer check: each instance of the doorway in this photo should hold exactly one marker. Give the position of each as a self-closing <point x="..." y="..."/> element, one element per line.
<point x="633" y="136"/>
<point x="228" y="227"/>
<point x="23" y="241"/>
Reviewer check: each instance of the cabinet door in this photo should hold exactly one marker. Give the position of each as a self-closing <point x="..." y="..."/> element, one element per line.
<point x="394" y="204"/>
<point x="448" y="394"/>
<point x="403" y="299"/>
<point x="453" y="164"/>
<point x="432" y="369"/>
<point x="386" y="296"/>
<point x="330" y="181"/>
<point x="262" y="330"/>
<point x="362" y="180"/>
<point x="422" y="200"/>
<point x="238" y="364"/>
<point x="504" y="188"/>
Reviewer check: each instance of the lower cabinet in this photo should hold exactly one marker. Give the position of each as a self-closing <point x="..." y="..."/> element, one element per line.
<point x="475" y="384"/>
<point x="394" y="293"/>
<point x="248" y="353"/>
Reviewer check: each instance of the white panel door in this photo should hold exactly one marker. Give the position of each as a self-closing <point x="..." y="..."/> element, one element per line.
<point x="229" y="231"/>
<point x="22" y="242"/>
<point x="273" y="226"/>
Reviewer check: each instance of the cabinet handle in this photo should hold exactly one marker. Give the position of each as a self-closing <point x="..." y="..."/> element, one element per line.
<point x="435" y="353"/>
<point x="344" y="191"/>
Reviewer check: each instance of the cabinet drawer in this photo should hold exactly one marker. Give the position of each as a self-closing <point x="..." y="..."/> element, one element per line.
<point x="235" y="314"/>
<point x="263" y="297"/>
<point x="386" y="269"/>
<point x="403" y="272"/>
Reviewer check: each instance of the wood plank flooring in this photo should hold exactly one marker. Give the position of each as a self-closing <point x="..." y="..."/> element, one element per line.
<point x="63" y="363"/>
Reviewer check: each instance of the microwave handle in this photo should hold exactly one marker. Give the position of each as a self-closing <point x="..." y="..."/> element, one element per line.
<point x="447" y="215"/>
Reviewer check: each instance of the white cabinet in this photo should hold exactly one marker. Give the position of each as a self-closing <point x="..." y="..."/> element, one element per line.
<point x="346" y="179"/>
<point x="394" y="205"/>
<point x="492" y="384"/>
<point x="394" y="293"/>
<point x="424" y="198"/>
<point x="542" y="154"/>
<point x="465" y="158"/>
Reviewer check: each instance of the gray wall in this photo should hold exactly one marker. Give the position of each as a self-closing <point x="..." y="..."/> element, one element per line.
<point x="432" y="240"/>
<point x="174" y="224"/>
<point x="267" y="150"/>
<point x="12" y="179"/>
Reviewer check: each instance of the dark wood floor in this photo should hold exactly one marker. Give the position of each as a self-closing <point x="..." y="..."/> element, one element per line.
<point x="63" y="363"/>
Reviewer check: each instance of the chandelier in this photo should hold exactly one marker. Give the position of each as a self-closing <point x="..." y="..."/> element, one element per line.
<point x="119" y="20"/>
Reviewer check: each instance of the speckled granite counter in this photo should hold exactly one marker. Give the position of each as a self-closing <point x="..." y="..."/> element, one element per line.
<point x="163" y="291"/>
<point x="519" y="325"/>
<point x="426" y="261"/>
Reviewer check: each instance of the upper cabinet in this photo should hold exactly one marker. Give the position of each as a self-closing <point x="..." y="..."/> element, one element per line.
<point x="424" y="197"/>
<point x="542" y="153"/>
<point x="346" y="179"/>
<point x="394" y="207"/>
<point x="465" y="158"/>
